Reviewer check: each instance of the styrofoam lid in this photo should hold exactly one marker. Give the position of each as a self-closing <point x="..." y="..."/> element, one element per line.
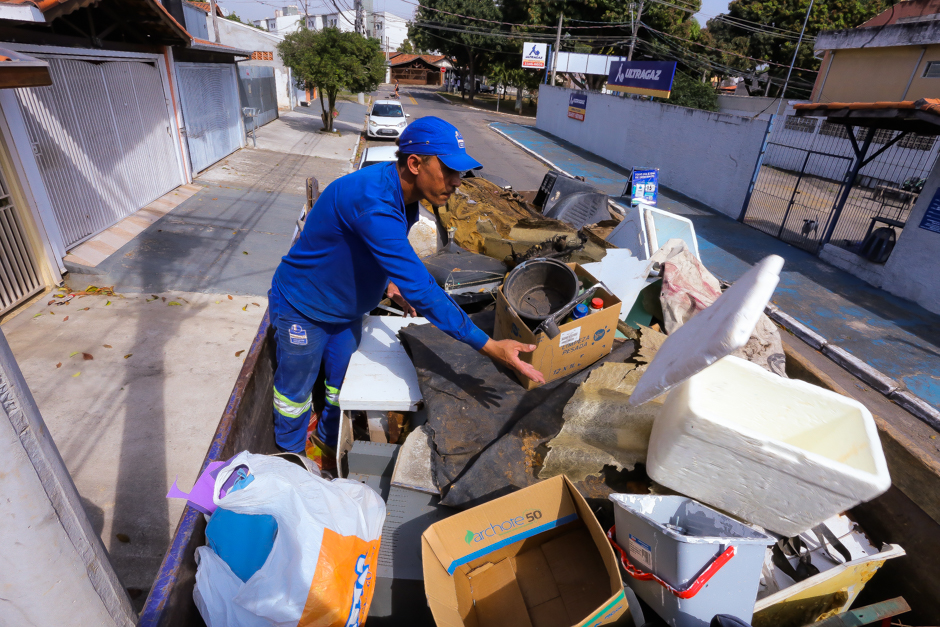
<point x="713" y="333"/>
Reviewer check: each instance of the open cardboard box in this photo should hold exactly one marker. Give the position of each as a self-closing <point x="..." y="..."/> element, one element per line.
<point x="580" y="343"/>
<point x="534" y="558"/>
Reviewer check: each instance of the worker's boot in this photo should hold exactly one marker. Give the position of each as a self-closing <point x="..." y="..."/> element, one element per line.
<point x="324" y="456"/>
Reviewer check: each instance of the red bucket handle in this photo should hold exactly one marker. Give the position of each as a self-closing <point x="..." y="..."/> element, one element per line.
<point x="689" y="591"/>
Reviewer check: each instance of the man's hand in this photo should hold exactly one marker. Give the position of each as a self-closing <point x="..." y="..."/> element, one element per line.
<point x="506" y="352"/>
<point x="395" y="294"/>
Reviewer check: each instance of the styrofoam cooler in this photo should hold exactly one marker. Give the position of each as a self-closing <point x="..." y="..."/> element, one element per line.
<point x="687" y="561"/>
<point x="779" y="453"/>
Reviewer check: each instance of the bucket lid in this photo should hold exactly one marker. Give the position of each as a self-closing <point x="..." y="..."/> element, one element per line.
<point x="713" y="333"/>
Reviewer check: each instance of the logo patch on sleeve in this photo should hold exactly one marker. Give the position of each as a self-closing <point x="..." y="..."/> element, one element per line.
<point x="298" y="335"/>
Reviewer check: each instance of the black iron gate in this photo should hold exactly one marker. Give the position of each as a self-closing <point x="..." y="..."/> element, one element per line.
<point x="822" y="182"/>
<point x="791" y="201"/>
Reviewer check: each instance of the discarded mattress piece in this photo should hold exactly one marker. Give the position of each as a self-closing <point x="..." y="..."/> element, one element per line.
<point x="514" y="460"/>
<point x="470" y="401"/>
<point x="601" y="428"/>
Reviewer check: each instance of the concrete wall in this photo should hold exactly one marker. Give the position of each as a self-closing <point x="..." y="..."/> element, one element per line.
<point x="911" y="270"/>
<point x="707" y="156"/>
<point x="248" y="38"/>
<point x="748" y="106"/>
<point x="877" y="75"/>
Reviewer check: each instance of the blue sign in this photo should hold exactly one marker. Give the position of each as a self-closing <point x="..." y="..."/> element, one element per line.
<point x="931" y="219"/>
<point x="645" y="186"/>
<point x="647" y="78"/>
<point x="577" y="106"/>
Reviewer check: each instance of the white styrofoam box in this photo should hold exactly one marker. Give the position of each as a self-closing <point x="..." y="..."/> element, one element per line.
<point x="714" y="332"/>
<point x="631" y="234"/>
<point x="779" y="453"/>
<point x="623" y="274"/>
<point x="380" y="374"/>
<point x="663" y="226"/>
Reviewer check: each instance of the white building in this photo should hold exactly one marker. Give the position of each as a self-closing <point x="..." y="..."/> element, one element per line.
<point x="391" y="29"/>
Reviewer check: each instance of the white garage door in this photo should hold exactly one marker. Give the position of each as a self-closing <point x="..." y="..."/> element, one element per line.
<point x="211" y="112"/>
<point x="103" y="141"/>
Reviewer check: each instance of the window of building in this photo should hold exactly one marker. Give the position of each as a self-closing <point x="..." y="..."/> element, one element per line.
<point x="834" y="130"/>
<point x="804" y="125"/>
<point x="932" y="70"/>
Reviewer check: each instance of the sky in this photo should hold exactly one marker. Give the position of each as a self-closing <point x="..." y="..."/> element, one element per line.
<point x="258" y="9"/>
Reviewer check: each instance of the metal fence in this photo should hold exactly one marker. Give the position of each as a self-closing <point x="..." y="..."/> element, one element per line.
<point x="809" y="163"/>
<point x="257" y="89"/>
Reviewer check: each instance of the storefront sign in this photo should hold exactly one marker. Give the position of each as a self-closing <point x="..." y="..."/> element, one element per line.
<point x="646" y="78"/>
<point x="645" y="186"/>
<point x="577" y="106"/>
<point x="534" y="55"/>
<point x="931" y="219"/>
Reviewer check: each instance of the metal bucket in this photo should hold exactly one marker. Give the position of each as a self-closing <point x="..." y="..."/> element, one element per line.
<point x="537" y="288"/>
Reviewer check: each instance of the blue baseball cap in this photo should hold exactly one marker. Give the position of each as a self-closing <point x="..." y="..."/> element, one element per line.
<point x="433" y="136"/>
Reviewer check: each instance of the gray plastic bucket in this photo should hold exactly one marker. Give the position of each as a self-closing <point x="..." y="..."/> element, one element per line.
<point x="678" y="540"/>
<point x="537" y="288"/>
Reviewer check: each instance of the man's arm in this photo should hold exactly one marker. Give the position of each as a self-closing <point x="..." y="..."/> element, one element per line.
<point x="381" y="229"/>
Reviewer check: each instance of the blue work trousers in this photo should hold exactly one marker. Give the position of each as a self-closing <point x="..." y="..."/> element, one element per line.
<point x="303" y="345"/>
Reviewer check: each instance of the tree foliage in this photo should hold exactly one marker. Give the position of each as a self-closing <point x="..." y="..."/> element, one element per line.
<point x="730" y="32"/>
<point x="332" y="60"/>
<point x="692" y="93"/>
<point x="472" y="50"/>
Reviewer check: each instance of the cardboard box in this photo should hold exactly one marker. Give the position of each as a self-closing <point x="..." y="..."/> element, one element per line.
<point x="580" y="343"/>
<point x="535" y="558"/>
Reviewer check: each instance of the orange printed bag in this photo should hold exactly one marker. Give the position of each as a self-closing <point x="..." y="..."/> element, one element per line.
<point x="321" y="569"/>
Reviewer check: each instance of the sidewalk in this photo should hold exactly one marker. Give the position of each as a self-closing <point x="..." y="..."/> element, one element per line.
<point x="895" y="336"/>
<point x="191" y="279"/>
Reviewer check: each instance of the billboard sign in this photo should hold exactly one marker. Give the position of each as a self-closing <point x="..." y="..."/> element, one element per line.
<point x="534" y="55"/>
<point x="645" y="186"/>
<point x="646" y="78"/>
<point x="577" y="106"/>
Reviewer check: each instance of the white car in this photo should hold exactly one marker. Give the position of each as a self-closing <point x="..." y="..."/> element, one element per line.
<point x="377" y="154"/>
<point x="386" y="119"/>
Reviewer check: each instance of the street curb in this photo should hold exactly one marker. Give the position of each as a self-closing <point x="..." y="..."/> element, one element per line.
<point x="918" y="407"/>
<point x="878" y="381"/>
<point x="891" y="389"/>
<point x="796" y="327"/>
<point x="529" y="150"/>
<point x="457" y="104"/>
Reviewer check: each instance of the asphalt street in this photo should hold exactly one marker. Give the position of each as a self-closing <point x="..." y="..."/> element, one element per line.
<point x="498" y="156"/>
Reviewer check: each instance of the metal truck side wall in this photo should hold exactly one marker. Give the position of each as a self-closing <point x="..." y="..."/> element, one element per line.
<point x="707" y="156"/>
<point x="56" y="569"/>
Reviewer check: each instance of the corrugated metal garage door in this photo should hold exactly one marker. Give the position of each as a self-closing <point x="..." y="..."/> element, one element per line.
<point x="212" y="116"/>
<point x="102" y="138"/>
<point x="257" y="89"/>
<point x="19" y="278"/>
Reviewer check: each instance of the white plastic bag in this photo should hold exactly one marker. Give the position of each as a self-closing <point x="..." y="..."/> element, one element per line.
<point x="321" y="569"/>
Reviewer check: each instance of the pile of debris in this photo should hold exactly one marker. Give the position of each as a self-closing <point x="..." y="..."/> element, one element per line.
<point x="668" y="470"/>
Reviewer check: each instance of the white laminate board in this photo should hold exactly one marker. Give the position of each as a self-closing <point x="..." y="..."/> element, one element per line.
<point x="380" y="374"/>
<point x="623" y="274"/>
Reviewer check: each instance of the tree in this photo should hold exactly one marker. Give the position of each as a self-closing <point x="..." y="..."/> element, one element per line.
<point x="768" y="30"/>
<point x="468" y="41"/>
<point x="332" y="60"/>
<point x="692" y="93"/>
<point x="407" y="47"/>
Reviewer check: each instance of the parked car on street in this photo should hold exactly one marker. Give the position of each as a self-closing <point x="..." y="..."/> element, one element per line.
<point x="387" y="119"/>
<point x="377" y="154"/>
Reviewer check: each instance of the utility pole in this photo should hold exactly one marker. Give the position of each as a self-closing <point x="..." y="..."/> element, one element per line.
<point x="635" y="26"/>
<point x="360" y="18"/>
<point x="561" y="16"/>
<point x="215" y="20"/>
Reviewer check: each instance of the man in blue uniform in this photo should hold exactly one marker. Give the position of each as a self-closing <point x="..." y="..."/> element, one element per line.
<point x="353" y="250"/>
